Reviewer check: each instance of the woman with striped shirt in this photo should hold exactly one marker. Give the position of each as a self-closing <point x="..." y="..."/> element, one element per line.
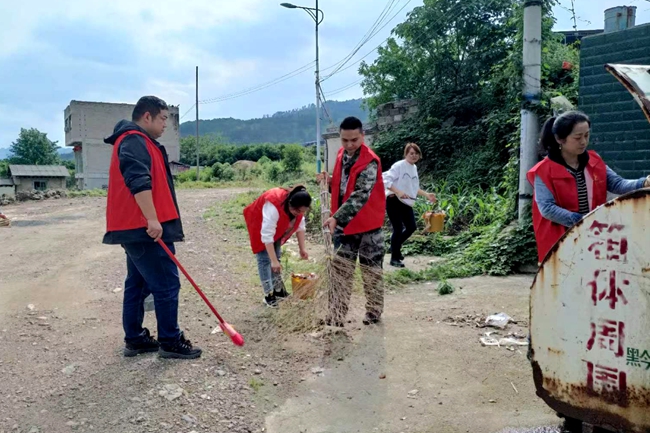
<point x="571" y="181"/>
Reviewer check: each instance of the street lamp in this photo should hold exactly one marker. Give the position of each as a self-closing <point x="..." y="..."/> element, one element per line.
<point x="318" y="17"/>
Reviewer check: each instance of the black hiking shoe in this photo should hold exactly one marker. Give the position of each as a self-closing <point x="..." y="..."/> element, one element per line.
<point x="396" y="263"/>
<point x="281" y="295"/>
<point x="271" y="300"/>
<point x="147" y="345"/>
<point x="182" y="349"/>
<point x="370" y="319"/>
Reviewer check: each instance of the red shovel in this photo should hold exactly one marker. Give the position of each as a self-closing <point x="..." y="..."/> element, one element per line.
<point x="235" y="336"/>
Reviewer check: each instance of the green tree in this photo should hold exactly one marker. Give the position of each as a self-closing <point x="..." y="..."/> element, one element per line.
<point x="207" y="146"/>
<point x="34" y="148"/>
<point x="4" y="168"/>
<point x="461" y="60"/>
<point x="292" y="158"/>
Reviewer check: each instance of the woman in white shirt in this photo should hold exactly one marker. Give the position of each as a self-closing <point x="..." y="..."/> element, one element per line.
<point x="402" y="188"/>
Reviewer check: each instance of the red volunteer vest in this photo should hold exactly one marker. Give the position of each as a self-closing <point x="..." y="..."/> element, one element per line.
<point x="253" y="217"/>
<point x="122" y="211"/>
<point x="371" y="215"/>
<point x="565" y="191"/>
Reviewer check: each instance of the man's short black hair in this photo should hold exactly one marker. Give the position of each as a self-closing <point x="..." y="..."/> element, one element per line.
<point x="351" y="123"/>
<point x="148" y="104"/>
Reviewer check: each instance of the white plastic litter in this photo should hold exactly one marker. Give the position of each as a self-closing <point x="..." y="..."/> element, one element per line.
<point x="500" y="320"/>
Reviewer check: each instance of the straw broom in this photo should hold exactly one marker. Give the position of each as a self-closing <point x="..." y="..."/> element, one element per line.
<point x="333" y="272"/>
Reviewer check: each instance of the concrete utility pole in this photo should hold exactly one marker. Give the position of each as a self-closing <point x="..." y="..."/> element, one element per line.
<point x="318" y="135"/>
<point x="197" y="125"/>
<point x="532" y="93"/>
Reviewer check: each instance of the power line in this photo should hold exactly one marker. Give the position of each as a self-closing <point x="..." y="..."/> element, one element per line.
<point x="259" y="87"/>
<point x="366" y="37"/>
<point x="348" y="58"/>
<point x="187" y="112"/>
<point x="418" y="39"/>
<point x="344" y="88"/>
<point x="371" y="33"/>
<point x="324" y="103"/>
<point x="338" y="65"/>
<point x="573" y="13"/>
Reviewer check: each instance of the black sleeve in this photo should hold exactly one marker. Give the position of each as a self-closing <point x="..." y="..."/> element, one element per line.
<point x="135" y="164"/>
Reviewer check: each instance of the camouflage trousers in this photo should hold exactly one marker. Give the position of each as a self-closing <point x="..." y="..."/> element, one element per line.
<point x="368" y="247"/>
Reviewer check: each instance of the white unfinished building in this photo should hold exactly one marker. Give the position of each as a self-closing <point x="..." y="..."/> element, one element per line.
<point x="86" y="126"/>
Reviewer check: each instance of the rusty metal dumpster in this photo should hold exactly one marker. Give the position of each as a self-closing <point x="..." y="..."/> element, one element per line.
<point x="590" y="318"/>
<point x="590" y="308"/>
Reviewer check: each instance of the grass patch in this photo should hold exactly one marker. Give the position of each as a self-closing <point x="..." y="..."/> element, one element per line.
<point x="98" y="192"/>
<point x="230" y="212"/>
<point x="253" y="183"/>
<point x="497" y="250"/>
<point x="255" y="384"/>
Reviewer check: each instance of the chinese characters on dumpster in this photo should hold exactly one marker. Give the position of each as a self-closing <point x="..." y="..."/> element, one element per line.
<point x="608" y="245"/>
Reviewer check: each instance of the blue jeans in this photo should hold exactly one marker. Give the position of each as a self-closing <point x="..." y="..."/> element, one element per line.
<point x="150" y="271"/>
<point x="270" y="280"/>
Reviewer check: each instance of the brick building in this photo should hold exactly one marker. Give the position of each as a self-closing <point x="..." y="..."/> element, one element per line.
<point x="620" y="131"/>
<point x="86" y="126"/>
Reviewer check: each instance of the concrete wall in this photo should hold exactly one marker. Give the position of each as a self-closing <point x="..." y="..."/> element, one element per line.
<point x="334" y="144"/>
<point x="394" y="112"/>
<point x="88" y="123"/>
<point x="620" y="131"/>
<point x="24" y="184"/>
<point x="9" y="191"/>
<point x="388" y="115"/>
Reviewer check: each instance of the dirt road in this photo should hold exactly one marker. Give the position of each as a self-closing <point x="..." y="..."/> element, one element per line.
<point x="62" y="369"/>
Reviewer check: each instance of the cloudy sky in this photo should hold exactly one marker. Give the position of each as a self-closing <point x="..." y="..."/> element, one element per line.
<point x="116" y="51"/>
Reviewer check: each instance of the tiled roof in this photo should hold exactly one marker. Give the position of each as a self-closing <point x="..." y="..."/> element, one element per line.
<point x="38" y="170"/>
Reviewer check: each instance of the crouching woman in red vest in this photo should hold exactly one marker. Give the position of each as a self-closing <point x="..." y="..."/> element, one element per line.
<point x="571" y="181"/>
<point x="271" y="220"/>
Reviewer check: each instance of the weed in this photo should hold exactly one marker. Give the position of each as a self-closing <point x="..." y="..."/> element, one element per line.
<point x="444" y="288"/>
<point x="255" y="384"/>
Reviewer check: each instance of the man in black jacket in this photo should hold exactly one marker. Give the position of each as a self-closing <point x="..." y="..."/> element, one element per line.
<point x="141" y="209"/>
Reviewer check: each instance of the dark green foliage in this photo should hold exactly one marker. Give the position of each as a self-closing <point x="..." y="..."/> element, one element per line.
<point x="292" y="158"/>
<point x="461" y="60"/>
<point x="34" y="148"/>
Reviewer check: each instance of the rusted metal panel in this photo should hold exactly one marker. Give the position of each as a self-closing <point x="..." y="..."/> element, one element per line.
<point x="636" y="79"/>
<point x="590" y="318"/>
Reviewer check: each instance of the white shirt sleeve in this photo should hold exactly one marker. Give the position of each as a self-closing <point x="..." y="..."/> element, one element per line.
<point x="392" y="175"/>
<point x="270" y="218"/>
<point x="303" y="226"/>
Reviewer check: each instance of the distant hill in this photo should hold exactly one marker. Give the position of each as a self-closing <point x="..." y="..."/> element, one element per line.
<point x="295" y="126"/>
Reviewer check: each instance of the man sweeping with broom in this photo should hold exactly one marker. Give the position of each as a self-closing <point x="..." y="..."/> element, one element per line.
<point x="142" y="209"/>
<point x="357" y="216"/>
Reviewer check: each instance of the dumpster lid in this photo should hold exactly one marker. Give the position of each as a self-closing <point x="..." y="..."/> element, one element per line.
<point x="636" y="79"/>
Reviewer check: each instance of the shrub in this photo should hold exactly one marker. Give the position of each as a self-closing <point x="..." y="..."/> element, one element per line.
<point x="292" y="158"/>
<point x="274" y="172"/>
<point x="223" y="171"/>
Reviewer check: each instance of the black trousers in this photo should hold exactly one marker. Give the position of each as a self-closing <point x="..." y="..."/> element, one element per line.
<point x="402" y="219"/>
